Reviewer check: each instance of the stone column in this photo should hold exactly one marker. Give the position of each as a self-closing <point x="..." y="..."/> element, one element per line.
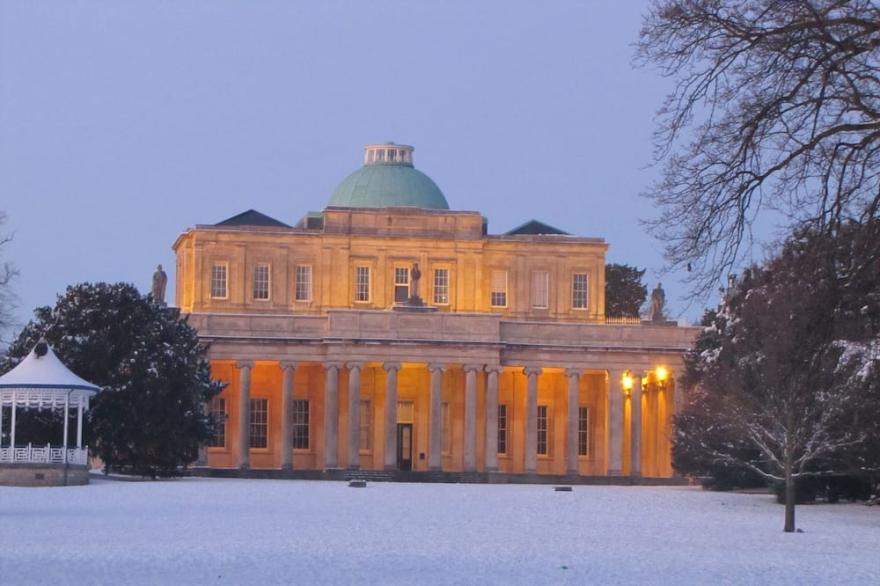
<point x="331" y="415"/>
<point x="531" y="455"/>
<point x="470" y="417"/>
<point x="492" y="418"/>
<point x="435" y="447"/>
<point x="635" y="442"/>
<point x="615" y="422"/>
<point x="288" y="370"/>
<point x="391" y="369"/>
<point x="354" y="415"/>
<point x="571" y="425"/>
<point x="244" y="412"/>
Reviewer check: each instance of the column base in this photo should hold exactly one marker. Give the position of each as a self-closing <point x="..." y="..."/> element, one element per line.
<point x="354" y="467"/>
<point x="390" y="467"/>
<point x="435" y="468"/>
<point x="287" y="467"/>
<point x="492" y="469"/>
<point x="572" y="472"/>
<point x="615" y="473"/>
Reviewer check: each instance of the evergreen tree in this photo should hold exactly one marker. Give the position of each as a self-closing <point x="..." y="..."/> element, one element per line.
<point x="783" y="381"/>
<point x="150" y="415"/>
<point x="624" y="291"/>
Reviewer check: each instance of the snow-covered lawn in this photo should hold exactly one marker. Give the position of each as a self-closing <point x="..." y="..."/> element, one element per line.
<point x="252" y="531"/>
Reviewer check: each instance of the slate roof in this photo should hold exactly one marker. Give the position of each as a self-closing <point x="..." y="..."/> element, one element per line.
<point x="534" y="227"/>
<point x="252" y="218"/>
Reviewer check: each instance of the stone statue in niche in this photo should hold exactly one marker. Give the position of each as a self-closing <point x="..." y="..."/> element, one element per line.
<point x="160" y="280"/>
<point x="658" y="303"/>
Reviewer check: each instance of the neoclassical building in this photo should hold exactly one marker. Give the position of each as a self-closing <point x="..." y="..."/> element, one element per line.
<point x="389" y="332"/>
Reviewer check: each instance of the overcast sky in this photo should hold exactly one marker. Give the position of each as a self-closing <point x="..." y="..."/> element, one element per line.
<point x="124" y="123"/>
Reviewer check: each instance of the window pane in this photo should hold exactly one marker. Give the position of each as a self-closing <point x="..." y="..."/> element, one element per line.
<point x="261" y="282"/>
<point x="218" y="414"/>
<point x="543" y="428"/>
<point x="259" y="436"/>
<point x="366" y="415"/>
<point x="579" y="291"/>
<point x="362" y="284"/>
<point x="583" y="430"/>
<point x="401" y="284"/>
<point x="303" y="283"/>
<point x="441" y="286"/>
<point x="540" y="289"/>
<point x="502" y="429"/>
<point x="498" y="292"/>
<point x="218" y="281"/>
<point x="301" y="424"/>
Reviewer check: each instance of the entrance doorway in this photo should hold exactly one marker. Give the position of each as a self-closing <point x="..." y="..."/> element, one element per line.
<point x="404" y="446"/>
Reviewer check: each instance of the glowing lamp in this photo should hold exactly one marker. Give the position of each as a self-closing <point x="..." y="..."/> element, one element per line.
<point x="662" y="374"/>
<point x="627" y="382"/>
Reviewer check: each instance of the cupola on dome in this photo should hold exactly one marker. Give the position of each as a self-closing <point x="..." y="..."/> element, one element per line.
<point x="388" y="179"/>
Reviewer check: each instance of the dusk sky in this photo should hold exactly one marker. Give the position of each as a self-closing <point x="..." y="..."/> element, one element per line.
<point x="124" y="123"/>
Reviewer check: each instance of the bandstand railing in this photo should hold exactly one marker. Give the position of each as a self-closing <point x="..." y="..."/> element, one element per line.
<point x="47" y="454"/>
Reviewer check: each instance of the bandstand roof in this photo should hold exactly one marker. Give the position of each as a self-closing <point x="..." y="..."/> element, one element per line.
<point x="44" y="372"/>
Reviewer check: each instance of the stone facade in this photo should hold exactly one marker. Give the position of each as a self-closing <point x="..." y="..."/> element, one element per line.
<point x="511" y="367"/>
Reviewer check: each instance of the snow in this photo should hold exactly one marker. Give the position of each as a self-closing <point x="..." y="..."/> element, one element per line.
<point x="250" y="531"/>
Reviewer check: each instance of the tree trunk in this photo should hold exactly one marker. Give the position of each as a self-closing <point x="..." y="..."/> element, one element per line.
<point x="789" y="495"/>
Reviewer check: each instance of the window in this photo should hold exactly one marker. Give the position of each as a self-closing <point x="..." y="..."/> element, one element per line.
<point x="446" y="428"/>
<point x="261" y="282"/>
<point x="300" y="424"/>
<point x="579" y="291"/>
<point x="303" y="283"/>
<point x="362" y="284"/>
<point x="498" y="292"/>
<point x="543" y="430"/>
<point x="366" y="415"/>
<point x="259" y="436"/>
<point x="218" y="281"/>
<point x="401" y="284"/>
<point x="218" y="415"/>
<point x="441" y="286"/>
<point x="540" y="289"/>
<point x="502" y="429"/>
<point x="583" y="430"/>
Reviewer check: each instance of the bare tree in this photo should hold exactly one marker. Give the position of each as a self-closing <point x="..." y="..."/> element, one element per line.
<point x="785" y="380"/>
<point x="7" y="274"/>
<point x="775" y="105"/>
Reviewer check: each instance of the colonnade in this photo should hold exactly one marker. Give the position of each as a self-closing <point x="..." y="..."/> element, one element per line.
<point x="624" y="415"/>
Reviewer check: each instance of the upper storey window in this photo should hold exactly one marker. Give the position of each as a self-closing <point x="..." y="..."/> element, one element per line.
<point x="540" y="289"/>
<point x="261" y="282"/>
<point x="401" y="284"/>
<point x="219" y="285"/>
<point x="498" y="292"/>
<point x="303" y="283"/>
<point x="441" y="286"/>
<point x="362" y="284"/>
<point x="579" y="284"/>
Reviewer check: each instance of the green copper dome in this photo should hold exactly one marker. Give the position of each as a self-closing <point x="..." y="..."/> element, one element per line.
<point x="388" y="179"/>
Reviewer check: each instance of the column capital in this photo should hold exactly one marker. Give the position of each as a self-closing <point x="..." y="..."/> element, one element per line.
<point x="473" y="367"/>
<point x="354" y="366"/>
<point x="240" y="364"/>
<point x="494" y="368"/>
<point x="532" y="370"/>
<point x="436" y="367"/>
<point x="285" y="364"/>
<point x="391" y="366"/>
<point x="571" y="371"/>
<point x="332" y="364"/>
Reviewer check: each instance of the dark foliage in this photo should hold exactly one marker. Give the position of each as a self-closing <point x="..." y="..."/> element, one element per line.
<point x="149" y="417"/>
<point x="624" y="291"/>
<point x="784" y="381"/>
